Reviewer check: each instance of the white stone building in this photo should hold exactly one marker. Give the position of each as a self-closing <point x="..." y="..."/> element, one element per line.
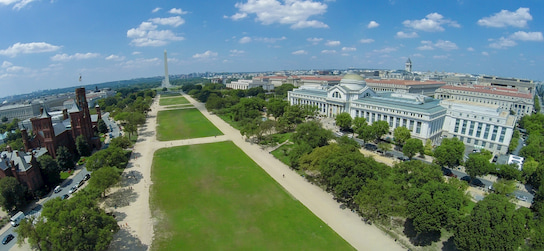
<point x="478" y="125"/>
<point x="244" y="84"/>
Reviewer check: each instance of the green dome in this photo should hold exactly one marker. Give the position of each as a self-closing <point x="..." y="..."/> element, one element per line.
<point x="353" y="77"/>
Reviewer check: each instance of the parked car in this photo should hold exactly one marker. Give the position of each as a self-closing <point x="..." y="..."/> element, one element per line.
<point x="371" y="147"/>
<point x="477" y="182"/>
<point x="81" y="183"/>
<point x="388" y="154"/>
<point x="403" y="158"/>
<point x="87" y="177"/>
<point x="522" y="197"/>
<point x="8" y="238"/>
<point x="448" y="172"/>
<point x="64" y="196"/>
<point x="57" y="189"/>
<point x="73" y="190"/>
<point x="466" y="178"/>
<point x="495" y="158"/>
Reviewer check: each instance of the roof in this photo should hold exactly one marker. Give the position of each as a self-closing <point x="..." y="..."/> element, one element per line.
<point x="408" y="102"/>
<point x="353" y="77"/>
<point x="403" y="82"/>
<point x="44" y="113"/>
<point x="511" y="92"/>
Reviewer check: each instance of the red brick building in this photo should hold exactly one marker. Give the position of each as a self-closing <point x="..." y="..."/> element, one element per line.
<point x="22" y="166"/>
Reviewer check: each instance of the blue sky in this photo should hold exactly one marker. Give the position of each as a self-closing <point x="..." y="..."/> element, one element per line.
<point x="47" y="44"/>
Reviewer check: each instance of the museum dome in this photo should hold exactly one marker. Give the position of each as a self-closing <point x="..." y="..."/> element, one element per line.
<point x="353" y="82"/>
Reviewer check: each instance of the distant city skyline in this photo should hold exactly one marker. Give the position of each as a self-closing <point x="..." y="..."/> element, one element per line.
<point x="49" y="44"/>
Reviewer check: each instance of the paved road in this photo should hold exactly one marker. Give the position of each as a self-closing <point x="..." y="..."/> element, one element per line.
<point x="66" y="185"/>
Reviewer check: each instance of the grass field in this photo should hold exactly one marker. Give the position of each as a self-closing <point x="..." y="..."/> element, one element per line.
<point x="173" y="101"/>
<point x="214" y="197"/>
<point x="184" y="124"/>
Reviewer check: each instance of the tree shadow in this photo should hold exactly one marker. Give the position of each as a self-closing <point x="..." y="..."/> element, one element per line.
<point x="121" y="198"/>
<point x="125" y="240"/>
<point x="135" y="155"/>
<point x="130" y="178"/>
<point x="449" y="245"/>
<point x="421" y="239"/>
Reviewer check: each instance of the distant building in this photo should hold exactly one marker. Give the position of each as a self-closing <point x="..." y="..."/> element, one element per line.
<point x="521" y="103"/>
<point x="21" y="111"/>
<point x="244" y="84"/>
<point x="426" y="88"/>
<point x="523" y="85"/>
<point x="408" y="65"/>
<point x="482" y="126"/>
<point x="74" y="122"/>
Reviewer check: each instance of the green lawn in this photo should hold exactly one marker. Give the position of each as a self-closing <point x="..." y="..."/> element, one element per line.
<point x="214" y="197"/>
<point x="184" y="124"/>
<point x="173" y="101"/>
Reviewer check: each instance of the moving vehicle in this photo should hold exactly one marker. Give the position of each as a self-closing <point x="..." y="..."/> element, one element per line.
<point x="17" y="218"/>
<point x="8" y="238"/>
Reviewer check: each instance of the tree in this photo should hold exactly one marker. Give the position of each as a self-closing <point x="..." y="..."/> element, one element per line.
<point x="247" y="108"/>
<point x="477" y="165"/>
<point x="411" y="147"/>
<point x="292" y="116"/>
<point x="428" y="147"/>
<point x="102" y="127"/>
<point x="312" y="161"/>
<point x="104" y="178"/>
<point x="504" y="187"/>
<point x="276" y="107"/>
<point x="283" y="89"/>
<point x="312" y="134"/>
<point x="537" y="104"/>
<point x="449" y="153"/>
<point x="65" y="159"/>
<point x="12" y="194"/>
<point x="494" y="224"/>
<point x="358" y="124"/>
<point x="111" y="156"/>
<point x="384" y="147"/>
<point x="380" y="128"/>
<point x="121" y="142"/>
<point x="401" y="134"/>
<point x="343" y="120"/>
<point x="4" y="119"/>
<point x="82" y="146"/>
<point x="50" y="170"/>
<point x="74" y="224"/>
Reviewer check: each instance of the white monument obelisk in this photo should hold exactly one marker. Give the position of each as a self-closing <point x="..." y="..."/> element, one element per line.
<point x="166" y="81"/>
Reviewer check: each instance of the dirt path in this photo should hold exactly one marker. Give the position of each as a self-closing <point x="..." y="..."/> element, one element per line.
<point x="130" y="203"/>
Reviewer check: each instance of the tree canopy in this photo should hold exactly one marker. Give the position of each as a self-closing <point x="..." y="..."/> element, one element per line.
<point x="412" y="146"/>
<point x="450" y="153"/>
<point x="343" y="120"/>
<point x="401" y="134"/>
<point x="12" y="194"/>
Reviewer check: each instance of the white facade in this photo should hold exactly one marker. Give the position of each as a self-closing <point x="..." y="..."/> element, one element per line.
<point x="244" y="84"/>
<point x="422" y="115"/>
<point x="481" y="126"/>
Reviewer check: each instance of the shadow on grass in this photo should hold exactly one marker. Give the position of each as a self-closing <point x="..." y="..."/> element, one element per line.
<point x="125" y="240"/>
<point x="449" y="245"/>
<point x="421" y="239"/>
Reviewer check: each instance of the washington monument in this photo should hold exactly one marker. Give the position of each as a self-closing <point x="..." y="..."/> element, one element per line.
<point x="166" y="81"/>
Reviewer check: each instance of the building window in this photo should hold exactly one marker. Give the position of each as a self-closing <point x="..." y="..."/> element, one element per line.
<point x="390" y="121"/>
<point x="398" y="123"/>
<point x="469" y="140"/>
<point x="479" y="130"/>
<point x="404" y="123"/>
<point x="464" y="128"/>
<point x="418" y="127"/>
<point x="503" y="133"/>
<point x="471" y="129"/>
<point x="457" y="121"/>
<point x="411" y="125"/>
<point x="486" y="133"/>
<point x="476" y="142"/>
<point x="494" y="135"/>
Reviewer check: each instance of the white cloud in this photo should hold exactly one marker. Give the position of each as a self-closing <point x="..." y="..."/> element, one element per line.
<point x="507" y="18"/>
<point x="332" y="43"/>
<point x="17" y="4"/>
<point x="441" y="56"/>
<point x="402" y="34"/>
<point x="372" y="24"/>
<point x="140" y="63"/>
<point x="349" y="49"/>
<point x="115" y="57"/>
<point x="177" y="11"/>
<point x="172" y="21"/>
<point x="440" y="44"/>
<point x="28" y="48"/>
<point x="147" y="34"/>
<point x="78" y="56"/>
<point x="386" y="50"/>
<point x="156" y="10"/>
<point x="206" y="55"/>
<point x="293" y="12"/>
<point x="418" y="55"/>
<point x="136" y="53"/>
<point x="445" y="45"/>
<point x="269" y="39"/>
<point x="431" y="23"/>
<point x="314" y="40"/>
<point x="245" y="40"/>
<point x="328" y="51"/>
<point x="236" y="52"/>
<point x="299" y="52"/>
<point x="527" y="36"/>
<point x="366" y="41"/>
<point x="485" y="53"/>
<point x="470" y="49"/>
<point x="6" y="64"/>
<point x="502" y="43"/>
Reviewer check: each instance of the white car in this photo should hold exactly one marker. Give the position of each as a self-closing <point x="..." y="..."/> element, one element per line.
<point x="57" y="189"/>
<point x="72" y="190"/>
